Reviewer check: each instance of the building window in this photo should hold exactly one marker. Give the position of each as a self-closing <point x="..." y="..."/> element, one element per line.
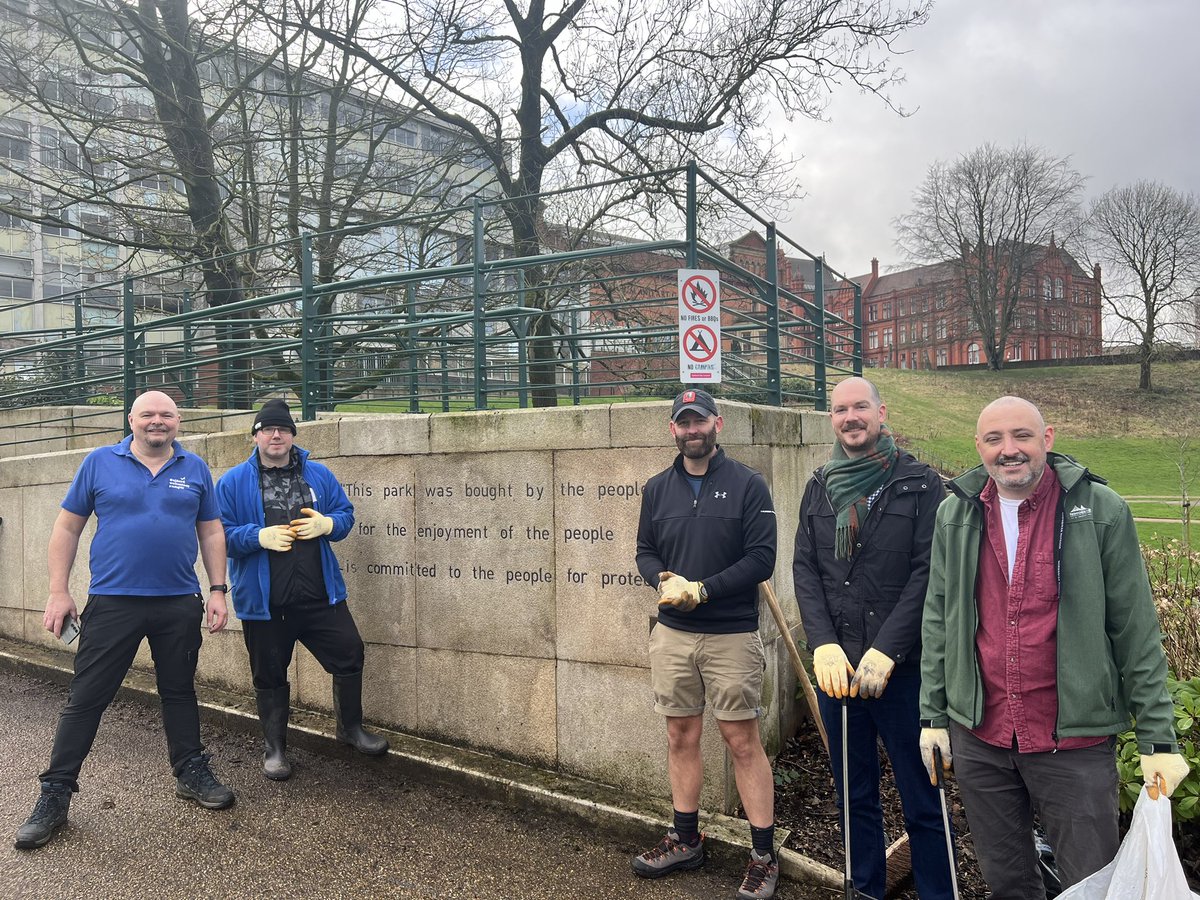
<point x="873" y="340"/>
<point x="14" y="140"/>
<point x="58" y="151"/>
<point x="887" y="337"/>
<point x="903" y="333"/>
<point x="887" y="310"/>
<point x="1033" y="350"/>
<point x="17" y="202"/>
<point x="941" y="329"/>
<point x="1059" y="293"/>
<point x="60" y="227"/>
<point x="973" y="354"/>
<point x="942" y="356"/>
<point x="924" y="331"/>
<point x="1046" y="288"/>
<point x="1014" y="351"/>
<point x="872" y="311"/>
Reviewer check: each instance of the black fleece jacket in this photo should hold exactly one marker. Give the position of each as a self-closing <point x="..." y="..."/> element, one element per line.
<point x="725" y="538"/>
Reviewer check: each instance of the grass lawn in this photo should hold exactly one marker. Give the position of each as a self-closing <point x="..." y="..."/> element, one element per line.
<point x="1133" y="439"/>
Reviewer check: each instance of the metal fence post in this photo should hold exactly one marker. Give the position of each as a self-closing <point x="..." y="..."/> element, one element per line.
<point x="692" y="190"/>
<point x="309" y="386"/>
<point x="478" y="292"/>
<point x="80" y="364"/>
<point x="188" y="381"/>
<point x="128" y="346"/>
<point x="819" y="396"/>
<point x="774" y="367"/>
<point x="858" y="330"/>
<point x="414" y="375"/>
<point x="573" y="343"/>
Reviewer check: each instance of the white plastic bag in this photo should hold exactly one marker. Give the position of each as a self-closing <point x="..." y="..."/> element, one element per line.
<point x="1146" y="866"/>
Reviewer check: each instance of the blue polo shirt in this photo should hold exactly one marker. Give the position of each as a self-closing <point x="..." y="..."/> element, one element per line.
<point x="145" y="543"/>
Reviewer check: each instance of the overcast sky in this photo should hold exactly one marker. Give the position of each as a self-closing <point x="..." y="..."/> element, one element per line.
<point x="1114" y="84"/>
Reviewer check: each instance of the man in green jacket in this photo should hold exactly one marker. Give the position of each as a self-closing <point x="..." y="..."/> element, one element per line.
<point x="1040" y="641"/>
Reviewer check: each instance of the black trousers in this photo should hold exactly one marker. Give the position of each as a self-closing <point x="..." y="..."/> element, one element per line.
<point x="1073" y="792"/>
<point x="328" y="631"/>
<point x="113" y="628"/>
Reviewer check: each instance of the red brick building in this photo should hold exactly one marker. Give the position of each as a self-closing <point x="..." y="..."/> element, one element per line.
<point x="918" y="318"/>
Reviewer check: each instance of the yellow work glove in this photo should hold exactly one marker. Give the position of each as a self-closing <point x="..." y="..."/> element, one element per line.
<point x="675" y="590"/>
<point x="1172" y="767"/>
<point x="939" y="738"/>
<point x="831" y="668"/>
<point x="871" y="676"/>
<point x="312" y="526"/>
<point x="276" y="537"/>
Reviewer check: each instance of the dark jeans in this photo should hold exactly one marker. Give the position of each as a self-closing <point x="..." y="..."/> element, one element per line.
<point x="327" y="631"/>
<point x="1073" y="792"/>
<point x="894" y="719"/>
<point x="113" y="628"/>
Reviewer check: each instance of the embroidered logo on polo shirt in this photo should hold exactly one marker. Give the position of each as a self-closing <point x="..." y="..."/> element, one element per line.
<point x="179" y="484"/>
<point x="720" y="495"/>
<point x="1079" y="512"/>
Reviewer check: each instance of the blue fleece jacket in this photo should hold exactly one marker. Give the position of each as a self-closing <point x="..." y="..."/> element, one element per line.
<point x="242" y="515"/>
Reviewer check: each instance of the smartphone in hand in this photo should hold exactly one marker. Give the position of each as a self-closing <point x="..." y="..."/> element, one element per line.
<point x="70" y="630"/>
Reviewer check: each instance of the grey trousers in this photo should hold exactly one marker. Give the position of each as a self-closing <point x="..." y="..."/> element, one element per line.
<point x="1073" y="793"/>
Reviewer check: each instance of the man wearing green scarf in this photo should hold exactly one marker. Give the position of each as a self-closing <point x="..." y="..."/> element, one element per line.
<point x="861" y="567"/>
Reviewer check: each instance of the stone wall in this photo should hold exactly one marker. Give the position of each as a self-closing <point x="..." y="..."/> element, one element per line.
<point x="491" y="572"/>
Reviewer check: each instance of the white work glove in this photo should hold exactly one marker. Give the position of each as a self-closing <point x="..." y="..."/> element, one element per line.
<point x="871" y="676"/>
<point x="675" y="590"/>
<point x="313" y="525"/>
<point x="939" y="738"/>
<point x="831" y="668"/>
<point x="1171" y="767"/>
<point x="276" y="537"/>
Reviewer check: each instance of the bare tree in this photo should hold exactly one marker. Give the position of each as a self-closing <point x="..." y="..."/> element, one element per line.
<point x="199" y="132"/>
<point x="991" y="214"/>
<point x="1147" y="238"/>
<point x="554" y="94"/>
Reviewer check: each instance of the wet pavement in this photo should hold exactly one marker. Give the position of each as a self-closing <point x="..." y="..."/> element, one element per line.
<point x="344" y="826"/>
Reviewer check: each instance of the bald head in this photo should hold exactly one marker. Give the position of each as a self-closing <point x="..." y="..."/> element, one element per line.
<point x="1008" y="408"/>
<point x="154" y="421"/>
<point x="856" y="413"/>
<point x="1012" y="439"/>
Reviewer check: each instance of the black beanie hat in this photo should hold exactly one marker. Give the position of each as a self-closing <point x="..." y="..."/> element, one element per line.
<point x="273" y="413"/>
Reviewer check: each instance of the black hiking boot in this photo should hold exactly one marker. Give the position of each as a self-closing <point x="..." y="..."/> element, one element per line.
<point x="49" y="814"/>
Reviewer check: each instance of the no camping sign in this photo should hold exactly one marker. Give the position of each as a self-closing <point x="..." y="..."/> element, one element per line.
<point x="699" y="325"/>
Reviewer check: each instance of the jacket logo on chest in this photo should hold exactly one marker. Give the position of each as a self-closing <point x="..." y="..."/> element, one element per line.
<point x="179" y="484"/>
<point x="720" y="495"/>
<point x="1080" y="512"/>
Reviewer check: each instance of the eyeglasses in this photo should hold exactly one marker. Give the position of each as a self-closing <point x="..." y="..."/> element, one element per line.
<point x="274" y="430"/>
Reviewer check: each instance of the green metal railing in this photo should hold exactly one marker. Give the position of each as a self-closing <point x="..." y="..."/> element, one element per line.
<point x="594" y="320"/>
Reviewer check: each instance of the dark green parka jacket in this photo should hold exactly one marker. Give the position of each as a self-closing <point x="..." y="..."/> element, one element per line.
<point x="1110" y="659"/>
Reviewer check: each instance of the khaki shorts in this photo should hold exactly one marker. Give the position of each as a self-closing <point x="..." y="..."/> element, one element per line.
<point x="685" y="668"/>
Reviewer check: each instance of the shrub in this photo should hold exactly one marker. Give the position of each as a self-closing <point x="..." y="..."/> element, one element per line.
<point x="1186" y="696"/>
<point x="1175" y="582"/>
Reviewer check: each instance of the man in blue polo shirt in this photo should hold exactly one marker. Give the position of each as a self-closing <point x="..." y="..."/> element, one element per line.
<point x="154" y="502"/>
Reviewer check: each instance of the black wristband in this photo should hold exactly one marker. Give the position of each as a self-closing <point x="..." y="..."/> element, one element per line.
<point x="223" y="588"/>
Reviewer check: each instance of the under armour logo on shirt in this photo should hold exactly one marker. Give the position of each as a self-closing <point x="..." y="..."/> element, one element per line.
<point x="720" y="495"/>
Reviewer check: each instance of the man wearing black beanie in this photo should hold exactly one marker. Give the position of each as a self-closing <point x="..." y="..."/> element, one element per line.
<point x="282" y="511"/>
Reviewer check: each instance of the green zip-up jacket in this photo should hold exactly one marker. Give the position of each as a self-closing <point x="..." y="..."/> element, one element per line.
<point x="1110" y="658"/>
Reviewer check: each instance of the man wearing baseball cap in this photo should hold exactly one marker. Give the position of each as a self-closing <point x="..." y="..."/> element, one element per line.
<point x="706" y="538"/>
<point x="281" y="511"/>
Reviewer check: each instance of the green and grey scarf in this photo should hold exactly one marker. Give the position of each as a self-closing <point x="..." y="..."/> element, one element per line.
<point x="850" y="481"/>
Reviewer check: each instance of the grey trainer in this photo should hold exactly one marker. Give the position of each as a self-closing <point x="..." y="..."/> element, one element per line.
<point x="762" y="875"/>
<point x="670" y="855"/>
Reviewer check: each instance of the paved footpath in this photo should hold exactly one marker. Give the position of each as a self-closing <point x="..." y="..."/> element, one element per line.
<point x="342" y="827"/>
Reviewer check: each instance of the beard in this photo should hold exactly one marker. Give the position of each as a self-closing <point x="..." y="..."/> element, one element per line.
<point x="1016" y="480"/>
<point x="697" y="446"/>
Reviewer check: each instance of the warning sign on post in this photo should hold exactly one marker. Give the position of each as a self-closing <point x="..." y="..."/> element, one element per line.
<point x="699" y="325"/>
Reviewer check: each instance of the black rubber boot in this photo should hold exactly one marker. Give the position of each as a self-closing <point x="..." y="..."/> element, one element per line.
<point x="273" y="708"/>
<point x="347" y="709"/>
<point x="49" y="814"/>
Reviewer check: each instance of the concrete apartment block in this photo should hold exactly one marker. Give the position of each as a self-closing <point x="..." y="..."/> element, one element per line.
<point x="491" y="572"/>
